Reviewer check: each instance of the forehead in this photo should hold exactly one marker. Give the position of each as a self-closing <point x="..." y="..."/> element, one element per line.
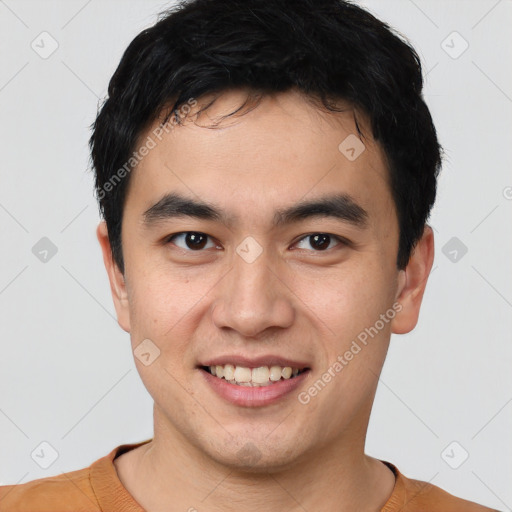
<point x="268" y="154"/>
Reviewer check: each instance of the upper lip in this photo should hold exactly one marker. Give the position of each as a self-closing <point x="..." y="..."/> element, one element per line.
<point x="254" y="362"/>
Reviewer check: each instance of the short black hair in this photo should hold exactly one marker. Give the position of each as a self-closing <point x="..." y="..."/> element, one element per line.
<point x="329" y="50"/>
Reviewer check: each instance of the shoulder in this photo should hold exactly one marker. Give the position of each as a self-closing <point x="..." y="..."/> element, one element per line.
<point x="66" y="492"/>
<point x="412" y="495"/>
<point x="423" y="494"/>
<point x="91" y="489"/>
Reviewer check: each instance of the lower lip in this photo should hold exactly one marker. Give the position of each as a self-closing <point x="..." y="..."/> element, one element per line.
<point x="248" y="396"/>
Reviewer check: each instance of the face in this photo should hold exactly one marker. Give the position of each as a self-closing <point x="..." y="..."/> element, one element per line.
<point x="261" y="244"/>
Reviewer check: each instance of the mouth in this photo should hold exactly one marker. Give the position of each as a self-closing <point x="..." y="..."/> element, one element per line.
<point x="255" y="381"/>
<point x="260" y="376"/>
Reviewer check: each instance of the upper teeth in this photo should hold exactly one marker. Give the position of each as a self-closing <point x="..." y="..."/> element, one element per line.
<point x="262" y="376"/>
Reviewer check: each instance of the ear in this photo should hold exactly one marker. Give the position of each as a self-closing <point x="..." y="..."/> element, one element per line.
<point x="116" y="278"/>
<point x="412" y="282"/>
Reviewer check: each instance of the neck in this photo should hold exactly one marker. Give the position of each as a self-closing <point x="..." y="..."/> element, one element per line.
<point x="335" y="478"/>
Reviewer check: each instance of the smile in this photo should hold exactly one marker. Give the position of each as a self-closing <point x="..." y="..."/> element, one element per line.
<point x="253" y="377"/>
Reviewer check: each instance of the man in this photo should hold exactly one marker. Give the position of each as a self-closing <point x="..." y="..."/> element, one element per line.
<point x="265" y="170"/>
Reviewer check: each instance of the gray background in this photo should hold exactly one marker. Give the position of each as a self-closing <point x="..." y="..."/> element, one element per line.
<point x="67" y="376"/>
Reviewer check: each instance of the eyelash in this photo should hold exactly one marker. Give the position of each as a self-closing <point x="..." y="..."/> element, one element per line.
<point x="341" y="241"/>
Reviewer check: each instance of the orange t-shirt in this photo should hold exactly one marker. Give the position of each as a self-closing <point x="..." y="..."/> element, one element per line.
<point x="98" y="489"/>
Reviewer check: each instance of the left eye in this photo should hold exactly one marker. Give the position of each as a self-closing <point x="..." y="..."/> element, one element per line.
<point x="192" y="240"/>
<point x="319" y="241"/>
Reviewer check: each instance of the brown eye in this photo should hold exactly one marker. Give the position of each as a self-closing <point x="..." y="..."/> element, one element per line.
<point x="319" y="242"/>
<point x="195" y="240"/>
<point x="192" y="240"/>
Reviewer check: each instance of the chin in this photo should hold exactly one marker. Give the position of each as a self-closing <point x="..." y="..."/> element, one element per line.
<point x="257" y="456"/>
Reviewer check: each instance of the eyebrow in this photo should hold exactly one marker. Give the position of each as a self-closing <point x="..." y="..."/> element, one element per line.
<point x="338" y="206"/>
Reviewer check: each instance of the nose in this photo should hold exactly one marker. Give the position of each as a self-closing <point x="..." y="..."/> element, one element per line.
<point x="252" y="299"/>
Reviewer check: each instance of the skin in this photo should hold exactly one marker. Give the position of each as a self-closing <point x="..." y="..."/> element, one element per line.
<point x="294" y="301"/>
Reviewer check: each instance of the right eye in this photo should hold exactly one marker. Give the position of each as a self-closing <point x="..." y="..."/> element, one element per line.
<point x="191" y="240"/>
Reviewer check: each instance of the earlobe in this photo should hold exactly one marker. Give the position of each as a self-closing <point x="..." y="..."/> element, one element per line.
<point x="412" y="282"/>
<point x="116" y="278"/>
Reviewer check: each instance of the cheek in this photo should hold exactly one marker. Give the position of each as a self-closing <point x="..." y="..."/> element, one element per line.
<point x="344" y="301"/>
<point x="167" y="305"/>
<point x="159" y="303"/>
<point x="161" y="314"/>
